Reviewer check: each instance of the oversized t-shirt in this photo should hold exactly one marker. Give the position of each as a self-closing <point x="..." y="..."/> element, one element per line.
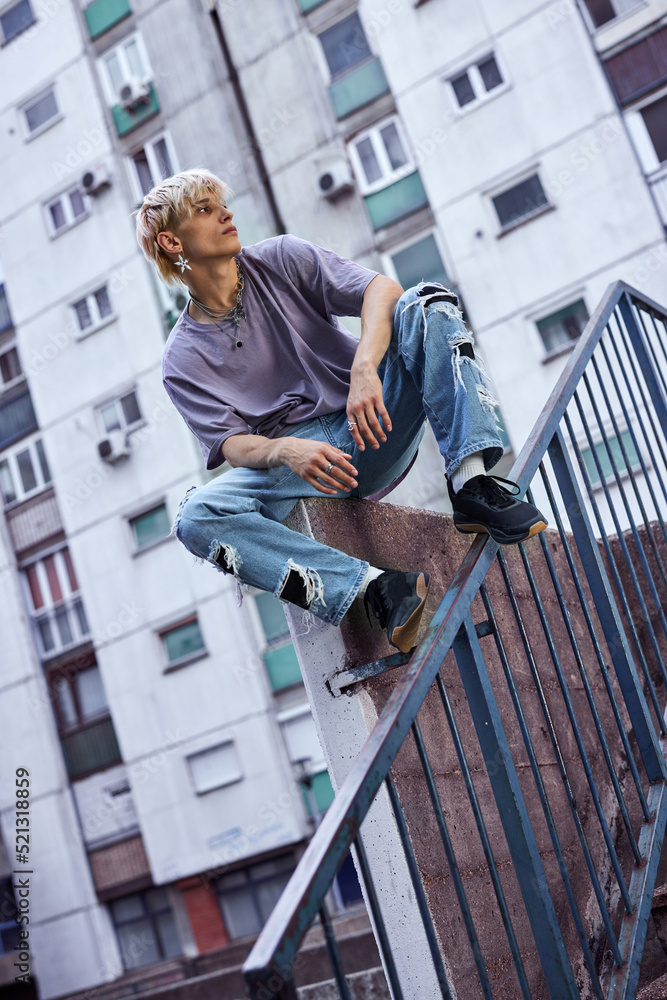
<point x="296" y="355"/>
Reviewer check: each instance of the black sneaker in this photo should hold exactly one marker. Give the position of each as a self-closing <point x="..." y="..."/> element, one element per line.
<point x="398" y="600"/>
<point x="482" y="505"/>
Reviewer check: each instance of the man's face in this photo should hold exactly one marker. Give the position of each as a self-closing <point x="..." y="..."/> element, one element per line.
<point x="208" y="231"/>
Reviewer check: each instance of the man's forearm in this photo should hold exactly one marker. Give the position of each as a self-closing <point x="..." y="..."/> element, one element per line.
<point x="252" y="451"/>
<point x="377" y="317"/>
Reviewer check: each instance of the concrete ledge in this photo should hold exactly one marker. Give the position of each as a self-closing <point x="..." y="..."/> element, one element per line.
<point x="370" y="985"/>
<point x="402" y="538"/>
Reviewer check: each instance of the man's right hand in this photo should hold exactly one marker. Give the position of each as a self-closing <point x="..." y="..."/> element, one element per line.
<point x="310" y="459"/>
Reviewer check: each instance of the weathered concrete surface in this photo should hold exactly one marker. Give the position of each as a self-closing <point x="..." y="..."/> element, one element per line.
<point x="370" y="985"/>
<point x="410" y="539"/>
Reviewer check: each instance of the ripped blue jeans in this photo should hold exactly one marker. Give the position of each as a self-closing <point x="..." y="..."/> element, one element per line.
<point x="429" y="370"/>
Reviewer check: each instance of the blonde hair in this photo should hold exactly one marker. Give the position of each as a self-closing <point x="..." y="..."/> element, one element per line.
<point x="166" y="205"/>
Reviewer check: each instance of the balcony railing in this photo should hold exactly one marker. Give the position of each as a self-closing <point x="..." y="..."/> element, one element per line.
<point x="394" y="202"/>
<point x="103" y="14"/>
<point x="125" y="120"/>
<point x="358" y="87"/>
<point x="91" y="747"/>
<point x="575" y="622"/>
<point x="61" y="628"/>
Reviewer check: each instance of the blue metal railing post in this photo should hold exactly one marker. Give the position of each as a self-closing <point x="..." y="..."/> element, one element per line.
<point x="607" y="610"/>
<point x="645" y="363"/>
<point x="633" y="931"/>
<point x="519" y="834"/>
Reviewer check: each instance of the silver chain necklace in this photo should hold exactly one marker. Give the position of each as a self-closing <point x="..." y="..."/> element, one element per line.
<point x="236" y="312"/>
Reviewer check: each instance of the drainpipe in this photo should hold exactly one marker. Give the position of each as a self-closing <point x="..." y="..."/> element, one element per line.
<point x="255" y="147"/>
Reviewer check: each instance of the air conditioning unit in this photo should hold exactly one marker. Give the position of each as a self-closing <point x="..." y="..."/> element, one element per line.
<point x="335" y="178"/>
<point x="114" y="447"/>
<point x="179" y="299"/>
<point x="133" y="93"/>
<point x="96" y="178"/>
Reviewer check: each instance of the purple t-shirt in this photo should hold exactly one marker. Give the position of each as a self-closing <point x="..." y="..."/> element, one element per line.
<point x="296" y="355"/>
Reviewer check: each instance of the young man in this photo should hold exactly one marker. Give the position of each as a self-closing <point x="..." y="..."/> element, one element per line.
<point x="267" y="377"/>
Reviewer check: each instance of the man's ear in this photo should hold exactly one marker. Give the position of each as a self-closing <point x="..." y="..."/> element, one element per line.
<point x="168" y="242"/>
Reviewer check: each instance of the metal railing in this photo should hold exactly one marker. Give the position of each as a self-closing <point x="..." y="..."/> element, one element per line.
<point x="560" y="713"/>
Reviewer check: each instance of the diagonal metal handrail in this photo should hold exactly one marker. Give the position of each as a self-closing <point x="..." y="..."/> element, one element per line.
<point x="268" y="968"/>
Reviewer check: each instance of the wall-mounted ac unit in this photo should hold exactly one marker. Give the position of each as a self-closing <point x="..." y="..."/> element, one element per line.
<point x="179" y="299"/>
<point x="335" y="178"/>
<point x="133" y="93"/>
<point x="96" y="178"/>
<point x="114" y="447"/>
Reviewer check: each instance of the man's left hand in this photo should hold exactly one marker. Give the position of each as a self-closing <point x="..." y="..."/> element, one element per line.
<point x="365" y="405"/>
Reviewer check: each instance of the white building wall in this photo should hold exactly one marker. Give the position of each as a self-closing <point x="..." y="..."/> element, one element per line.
<point x="556" y="114"/>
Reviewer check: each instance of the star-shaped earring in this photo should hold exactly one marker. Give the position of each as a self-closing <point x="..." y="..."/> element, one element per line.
<point x="182" y="263"/>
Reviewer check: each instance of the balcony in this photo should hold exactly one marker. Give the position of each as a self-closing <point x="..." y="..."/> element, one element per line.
<point x="17" y="418"/>
<point x="358" y="87"/>
<point x="282" y="666"/>
<point x="34" y="522"/>
<point x="125" y="121"/>
<point x="63" y="627"/>
<point x="394" y="202"/>
<point x="91" y="747"/>
<point x="103" y="14"/>
<point x="5" y="315"/>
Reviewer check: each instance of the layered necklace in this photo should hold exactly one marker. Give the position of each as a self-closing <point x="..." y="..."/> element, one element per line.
<point x="235" y="312"/>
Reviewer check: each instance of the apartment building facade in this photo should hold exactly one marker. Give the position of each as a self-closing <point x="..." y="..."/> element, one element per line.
<point x="516" y="152"/>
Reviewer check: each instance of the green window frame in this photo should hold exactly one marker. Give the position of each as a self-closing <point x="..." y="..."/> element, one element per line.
<point x="605" y="462"/>
<point x="150" y="527"/>
<point x="563" y="327"/>
<point x="280" y="659"/>
<point x="183" y="642"/>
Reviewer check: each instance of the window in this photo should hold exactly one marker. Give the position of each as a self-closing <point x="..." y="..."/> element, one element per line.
<point x="151" y="526"/>
<point x="301" y="739"/>
<point x="380" y="156"/>
<point x="9" y="929"/>
<point x="41" y="112"/>
<point x="602" y="11"/>
<point x="17" y="418"/>
<point x="66" y="210"/>
<point x="564" y="326"/>
<point x="247" y="897"/>
<point x="475" y="82"/>
<point x="120" y="413"/>
<point x="145" y="928"/>
<point x="605" y="461"/>
<point x="279" y="657"/>
<point x="421" y="261"/>
<point x="151" y="164"/>
<point x="520" y="202"/>
<point x="78" y="697"/>
<point x="24" y="472"/>
<point x="5" y="314"/>
<point x="124" y="64"/>
<point x="215" y="767"/>
<point x="16" y="19"/>
<point x="183" y="642"/>
<point x="344" y="45"/>
<point x="55" y="605"/>
<point x="655" y="119"/>
<point x="93" y="310"/>
<point x="10" y="367"/>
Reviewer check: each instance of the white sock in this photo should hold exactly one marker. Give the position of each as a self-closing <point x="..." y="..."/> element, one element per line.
<point x="372" y="574"/>
<point x="470" y="467"/>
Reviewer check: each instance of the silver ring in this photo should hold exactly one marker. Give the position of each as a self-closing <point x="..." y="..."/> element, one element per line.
<point x="351" y="424"/>
<point x="328" y="468"/>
